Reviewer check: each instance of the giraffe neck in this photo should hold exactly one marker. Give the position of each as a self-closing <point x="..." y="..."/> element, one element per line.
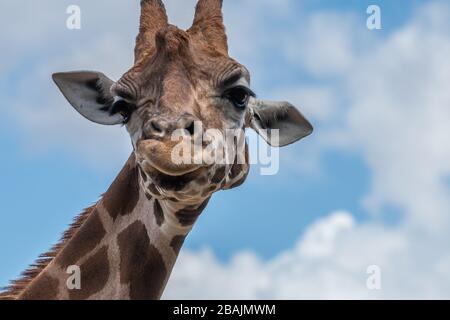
<point x="125" y="249"/>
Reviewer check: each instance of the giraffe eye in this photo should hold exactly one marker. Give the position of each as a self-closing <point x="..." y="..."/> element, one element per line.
<point x="124" y="108"/>
<point x="239" y="96"/>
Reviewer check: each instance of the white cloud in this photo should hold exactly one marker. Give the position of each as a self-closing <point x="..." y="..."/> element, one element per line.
<point x="398" y="117"/>
<point x="320" y="239"/>
<point x="321" y="47"/>
<point x="329" y="262"/>
<point x="246" y="276"/>
<point x="319" y="102"/>
<point x="389" y="104"/>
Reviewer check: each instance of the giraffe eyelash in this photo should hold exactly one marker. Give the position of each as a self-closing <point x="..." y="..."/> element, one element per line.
<point x="124" y="108"/>
<point x="239" y="96"/>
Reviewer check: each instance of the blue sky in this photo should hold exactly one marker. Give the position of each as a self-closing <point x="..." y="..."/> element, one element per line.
<point x="342" y="183"/>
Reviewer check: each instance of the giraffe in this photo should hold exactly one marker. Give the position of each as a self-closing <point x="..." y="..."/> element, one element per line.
<point x="126" y="245"/>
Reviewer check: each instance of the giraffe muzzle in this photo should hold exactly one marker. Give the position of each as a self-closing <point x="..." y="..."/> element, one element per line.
<point x="160" y="156"/>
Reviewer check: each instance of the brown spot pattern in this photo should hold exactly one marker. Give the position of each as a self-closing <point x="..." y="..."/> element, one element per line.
<point x="153" y="190"/>
<point x="187" y="217"/>
<point x="141" y="264"/>
<point x="143" y="175"/>
<point x="219" y="176"/>
<point x="123" y="195"/>
<point x="177" y="243"/>
<point x="209" y="190"/>
<point x="202" y="180"/>
<point x="235" y="171"/>
<point x="239" y="182"/>
<point x="158" y="212"/>
<point x="84" y="241"/>
<point x="238" y="168"/>
<point x="94" y="275"/>
<point x="44" y="288"/>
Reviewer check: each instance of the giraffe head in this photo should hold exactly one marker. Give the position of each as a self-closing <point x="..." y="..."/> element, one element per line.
<point x="183" y="85"/>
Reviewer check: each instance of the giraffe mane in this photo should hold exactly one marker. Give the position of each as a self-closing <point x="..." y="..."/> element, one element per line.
<point x="16" y="287"/>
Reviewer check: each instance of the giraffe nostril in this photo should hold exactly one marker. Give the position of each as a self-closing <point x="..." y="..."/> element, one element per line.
<point x="190" y="127"/>
<point x="156" y="127"/>
<point x="187" y="123"/>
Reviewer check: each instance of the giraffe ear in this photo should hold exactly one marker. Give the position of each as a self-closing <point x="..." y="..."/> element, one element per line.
<point x="90" y="94"/>
<point x="267" y="116"/>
